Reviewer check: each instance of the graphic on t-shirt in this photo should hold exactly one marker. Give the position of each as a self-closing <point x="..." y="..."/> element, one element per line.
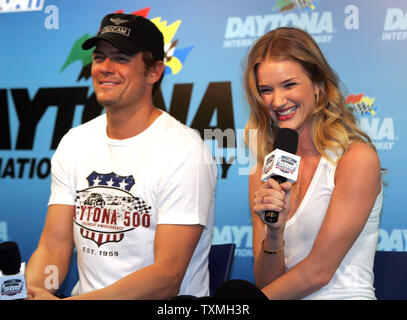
<point x="107" y="210"/>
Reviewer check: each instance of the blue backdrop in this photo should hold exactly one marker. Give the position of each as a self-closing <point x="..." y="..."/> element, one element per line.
<point x="45" y="89"/>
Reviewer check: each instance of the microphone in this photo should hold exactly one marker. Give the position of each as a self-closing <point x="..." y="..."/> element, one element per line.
<point x="12" y="279"/>
<point x="282" y="164"/>
<point x="237" y="289"/>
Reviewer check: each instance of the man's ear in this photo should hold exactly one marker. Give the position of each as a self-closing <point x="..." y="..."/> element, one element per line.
<point x="156" y="71"/>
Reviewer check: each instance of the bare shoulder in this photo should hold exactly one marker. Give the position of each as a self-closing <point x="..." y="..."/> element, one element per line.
<point x="362" y="162"/>
<point x="360" y="155"/>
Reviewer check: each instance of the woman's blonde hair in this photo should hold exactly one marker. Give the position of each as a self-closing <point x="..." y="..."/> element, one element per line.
<point x="333" y="125"/>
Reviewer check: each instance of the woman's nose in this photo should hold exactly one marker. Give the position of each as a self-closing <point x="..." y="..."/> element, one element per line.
<point x="279" y="99"/>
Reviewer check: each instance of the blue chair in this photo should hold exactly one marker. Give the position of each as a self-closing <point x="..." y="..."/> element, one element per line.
<point x="390" y="275"/>
<point x="220" y="264"/>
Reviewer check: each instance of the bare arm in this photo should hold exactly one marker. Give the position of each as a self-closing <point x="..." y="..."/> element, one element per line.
<point x="357" y="184"/>
<point x="173" y="249"/>
<point x="54" y="248"/>
<point x="267" y="267"/>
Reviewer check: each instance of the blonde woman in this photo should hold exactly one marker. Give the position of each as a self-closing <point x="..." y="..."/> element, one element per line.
<point x="324" y="242"/>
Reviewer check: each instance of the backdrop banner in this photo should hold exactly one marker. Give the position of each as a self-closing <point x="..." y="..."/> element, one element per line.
<point x="46" y="89"/>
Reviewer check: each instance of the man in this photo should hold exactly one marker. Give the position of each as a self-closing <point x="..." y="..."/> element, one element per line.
<point x="132" y="189"/>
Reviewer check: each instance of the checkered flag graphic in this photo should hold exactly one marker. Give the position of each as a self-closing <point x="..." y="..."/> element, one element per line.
<point x="364" y="108"/>
<point x="140" y="206"/>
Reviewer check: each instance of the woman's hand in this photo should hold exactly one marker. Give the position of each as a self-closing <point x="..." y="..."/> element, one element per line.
<point x="272" y="196"/>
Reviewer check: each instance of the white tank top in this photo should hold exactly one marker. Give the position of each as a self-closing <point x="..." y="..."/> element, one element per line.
<point x="354" y="277"/>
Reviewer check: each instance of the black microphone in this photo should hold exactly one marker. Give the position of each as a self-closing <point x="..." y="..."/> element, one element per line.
<point x="237" y="289"/>
<point x="282" y="164"/>
<point x="12" y="280"/>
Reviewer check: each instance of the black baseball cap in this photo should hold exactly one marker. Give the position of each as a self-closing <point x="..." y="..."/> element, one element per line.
<point x="130" y="34"/>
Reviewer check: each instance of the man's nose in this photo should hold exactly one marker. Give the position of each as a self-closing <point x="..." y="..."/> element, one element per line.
<point x="106" y="66"/>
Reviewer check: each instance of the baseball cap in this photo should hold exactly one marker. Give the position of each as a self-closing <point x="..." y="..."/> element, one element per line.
<point x="130" y="34"/>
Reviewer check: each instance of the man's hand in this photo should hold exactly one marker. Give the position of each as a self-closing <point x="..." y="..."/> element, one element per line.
<point x="34" y="293"/>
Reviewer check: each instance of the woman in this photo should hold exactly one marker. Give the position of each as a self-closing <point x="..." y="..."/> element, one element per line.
<point x="323" y="244"/>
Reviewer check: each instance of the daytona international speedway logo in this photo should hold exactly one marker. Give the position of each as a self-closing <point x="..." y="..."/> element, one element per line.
<point x="174" y="57"/>
<point x="286" y="5"/>
<point x="7" y="6"/>
<point x="361" y="104"/>
<point x="243" y="31"/>
<point x="380" y="129"/>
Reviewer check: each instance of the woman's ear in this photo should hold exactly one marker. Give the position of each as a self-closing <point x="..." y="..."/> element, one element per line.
<point x="317" y="91"/>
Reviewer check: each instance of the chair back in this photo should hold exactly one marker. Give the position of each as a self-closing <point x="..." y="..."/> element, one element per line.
<point x="220" y="264"/>
<point x="390" y="275"/>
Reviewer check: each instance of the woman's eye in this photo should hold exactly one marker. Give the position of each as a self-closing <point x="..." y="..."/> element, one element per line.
<point x="265" y="90"/>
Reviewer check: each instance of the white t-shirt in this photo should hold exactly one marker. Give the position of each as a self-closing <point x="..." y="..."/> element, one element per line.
<point x="122" y="189"/>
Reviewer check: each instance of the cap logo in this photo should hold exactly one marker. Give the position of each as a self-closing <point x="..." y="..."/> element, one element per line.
<point x="118" y="21"/>
<point x="116" y="29"/>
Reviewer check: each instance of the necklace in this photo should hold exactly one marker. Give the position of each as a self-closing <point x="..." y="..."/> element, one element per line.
<point x="294" y="209"/>
<point x="297" y="195"/>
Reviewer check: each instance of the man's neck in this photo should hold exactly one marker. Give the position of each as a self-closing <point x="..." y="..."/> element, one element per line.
<point x="127" y="123"/>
